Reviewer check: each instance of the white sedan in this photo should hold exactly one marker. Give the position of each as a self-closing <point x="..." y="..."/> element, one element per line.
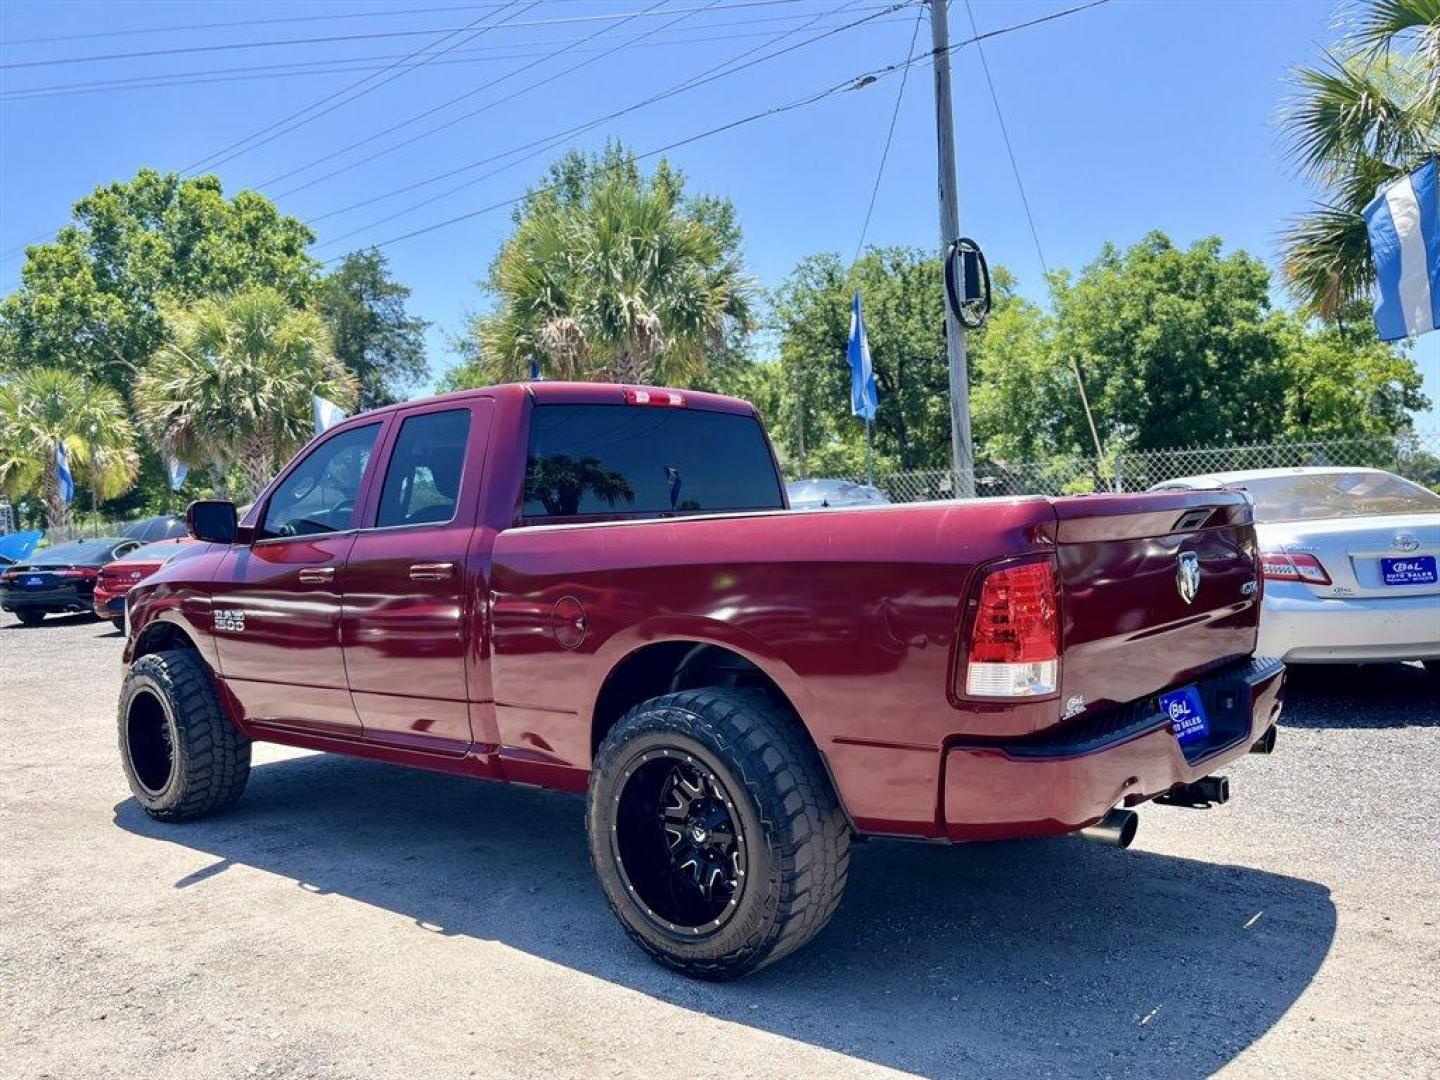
<point x="1350" y="561"/>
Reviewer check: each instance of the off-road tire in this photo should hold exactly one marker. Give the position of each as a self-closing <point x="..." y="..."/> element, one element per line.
<point x="30" y="616"/>
<point x="797" y="839"/>
<point x="209" y="761"/>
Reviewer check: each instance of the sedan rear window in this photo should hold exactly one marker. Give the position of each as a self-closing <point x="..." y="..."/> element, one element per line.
<point x="634" y="460"/>
<point x="1313" y="496"/>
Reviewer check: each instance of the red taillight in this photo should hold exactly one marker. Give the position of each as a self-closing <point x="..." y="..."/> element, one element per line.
<point x="653" y="397"/>
<point x="1015" y="633"/>
<point x="1293" y="566"/>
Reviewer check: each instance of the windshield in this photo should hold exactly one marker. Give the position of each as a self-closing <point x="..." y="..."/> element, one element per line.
<point x="1312" y="496"/>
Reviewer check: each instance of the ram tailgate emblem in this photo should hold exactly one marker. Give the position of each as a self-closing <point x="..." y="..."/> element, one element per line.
<point x="1187" y="576"/>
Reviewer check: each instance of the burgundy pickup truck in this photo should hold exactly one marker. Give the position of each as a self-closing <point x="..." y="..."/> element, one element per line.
<point x="600" y="589"/>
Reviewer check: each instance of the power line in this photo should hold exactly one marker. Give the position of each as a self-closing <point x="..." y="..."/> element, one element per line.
<point x="865" y="80"/>
<point x="334" y="65"/>
<point x="449" y="123"/>
<point x="547" y="142"/>
<point x="469" y="94"/>
<point x="284" y="126"/>
<point x="231" y="46"/>
<point x="890" y="135"/>
<point x="1009" y="149"/>
<point x="11" y="42"/>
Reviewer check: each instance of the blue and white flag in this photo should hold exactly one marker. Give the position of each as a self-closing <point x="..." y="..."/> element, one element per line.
<point x="62" y="472"/>
<point x="864" y="399"/>
<point x="327" y="414"/>
<point x="177" y="471"/>
<point x="1404" y="224"/>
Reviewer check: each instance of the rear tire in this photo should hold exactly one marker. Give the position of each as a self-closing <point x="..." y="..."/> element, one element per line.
<point x="30" y="616"/>
<point x="119" y="624"/>
<point x="182" y="756"/>
<point x="715" y="832"/>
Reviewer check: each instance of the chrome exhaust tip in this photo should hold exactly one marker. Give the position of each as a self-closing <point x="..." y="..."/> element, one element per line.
<point x="1117" y="828"/>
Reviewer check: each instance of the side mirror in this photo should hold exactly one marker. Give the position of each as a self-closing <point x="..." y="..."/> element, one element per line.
<point x="212" y="519"/>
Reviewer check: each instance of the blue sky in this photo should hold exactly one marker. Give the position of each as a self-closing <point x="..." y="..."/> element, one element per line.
<point x="1137" y="115"/>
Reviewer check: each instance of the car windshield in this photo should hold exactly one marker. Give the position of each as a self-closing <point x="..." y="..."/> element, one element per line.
<point x="1312" y="496"/>
<point x="82" y="551"/>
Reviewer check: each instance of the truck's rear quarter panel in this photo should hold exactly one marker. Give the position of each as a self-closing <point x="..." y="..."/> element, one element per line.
<point x="852" y="613"/>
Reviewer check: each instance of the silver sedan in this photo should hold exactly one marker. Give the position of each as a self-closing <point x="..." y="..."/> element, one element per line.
<point x="1350" y="563"/>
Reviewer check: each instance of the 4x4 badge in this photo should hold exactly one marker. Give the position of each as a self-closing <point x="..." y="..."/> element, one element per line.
<point x="1187" y="576"/>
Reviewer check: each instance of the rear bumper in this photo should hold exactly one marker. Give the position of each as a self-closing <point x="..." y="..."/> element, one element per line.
<point x="1302" y="628"/>
<point x="1067" y="780"/>
<point x="67" y="598"/>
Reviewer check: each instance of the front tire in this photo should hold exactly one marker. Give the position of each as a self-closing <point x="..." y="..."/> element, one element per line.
<point x="182" y="756"/>
<point x="717" y="837"/>
<point x="30" y="616"/>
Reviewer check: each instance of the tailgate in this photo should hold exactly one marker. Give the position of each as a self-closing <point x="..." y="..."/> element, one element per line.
<point x="1155" y="590"/>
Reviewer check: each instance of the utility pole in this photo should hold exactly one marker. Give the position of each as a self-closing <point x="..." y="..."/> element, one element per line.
<point x="962" y="456"/>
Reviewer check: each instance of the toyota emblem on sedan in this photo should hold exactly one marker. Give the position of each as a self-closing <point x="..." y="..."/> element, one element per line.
<point x="1406" y="542"/>
<point x="1187" y="576"/>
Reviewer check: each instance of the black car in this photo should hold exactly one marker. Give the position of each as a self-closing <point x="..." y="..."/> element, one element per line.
<point x="59" y="579"/>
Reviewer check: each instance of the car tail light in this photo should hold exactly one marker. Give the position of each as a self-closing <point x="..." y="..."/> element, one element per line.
<point x="653" y="397"/>
<point x="76" y="573"/>
<point x="1284" y="565"/>
<point x="1015" y="633"/>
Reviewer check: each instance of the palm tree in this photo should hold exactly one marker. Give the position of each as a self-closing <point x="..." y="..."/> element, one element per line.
<point x="41" y="408"/>
<point x="233" y="384"/>
<point x="615" y="276"/>
<point x="1368" y="113"/>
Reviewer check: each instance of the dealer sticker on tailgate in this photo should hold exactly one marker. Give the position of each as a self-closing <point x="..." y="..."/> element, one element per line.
<point x="1187" y="714"/>
<point x="1414" y="570"/>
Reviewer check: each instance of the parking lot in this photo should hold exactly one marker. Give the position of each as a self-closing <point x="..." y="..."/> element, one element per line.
<point x="352" y="919"/>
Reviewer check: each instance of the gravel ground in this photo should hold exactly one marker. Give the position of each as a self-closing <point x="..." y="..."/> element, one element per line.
<point x="351" y="919"/>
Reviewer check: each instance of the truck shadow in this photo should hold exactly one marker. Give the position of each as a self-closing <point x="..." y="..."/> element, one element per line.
<point x="1033" y="958"/>
<point x="1360" y="696"/>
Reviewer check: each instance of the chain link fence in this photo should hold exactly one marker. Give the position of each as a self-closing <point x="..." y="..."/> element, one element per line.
<point x="1415" y="457"/>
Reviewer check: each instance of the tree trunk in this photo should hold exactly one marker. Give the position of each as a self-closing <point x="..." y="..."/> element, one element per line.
<point x="57" y="510"/>
<point x="257" y="465"/>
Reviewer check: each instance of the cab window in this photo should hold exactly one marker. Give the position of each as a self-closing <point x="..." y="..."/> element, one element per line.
<point x="422" y="482"/>
<point x="319" y="494"/>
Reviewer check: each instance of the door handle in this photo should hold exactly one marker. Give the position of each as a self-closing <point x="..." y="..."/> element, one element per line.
<point x="431" y="571"/>
<point x="317" y="575"/>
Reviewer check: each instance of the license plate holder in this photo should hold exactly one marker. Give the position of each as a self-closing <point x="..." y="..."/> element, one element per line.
<point x="1186" y="713"/>
<point x="1409" y="570"/>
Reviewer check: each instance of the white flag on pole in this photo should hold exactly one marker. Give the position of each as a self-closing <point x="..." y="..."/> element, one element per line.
<point x="327" y="414"/>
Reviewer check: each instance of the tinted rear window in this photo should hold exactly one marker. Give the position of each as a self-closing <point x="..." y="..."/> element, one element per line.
<point x="636" y="459"/>
<point x="1336" y="495"/>
<point x="81" y="551"/>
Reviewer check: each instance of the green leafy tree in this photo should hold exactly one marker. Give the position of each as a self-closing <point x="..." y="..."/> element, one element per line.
<point x="901" y="295"/>
<point x="41" y="408"/>
<point x="1367" y="113"/>
<point x="374" y="335"/>
<point x="613" y="275"/>
<point x="92" y="300"/>
<point x="1178" y="348"/>
<point x="1343" y="382"/>
<point x="232" y="384"/>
